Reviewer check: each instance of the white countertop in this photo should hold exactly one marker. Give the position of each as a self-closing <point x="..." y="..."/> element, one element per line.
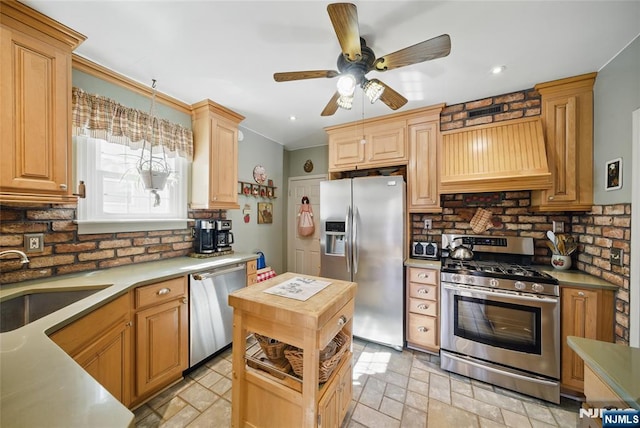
<point x="40" y="385"/>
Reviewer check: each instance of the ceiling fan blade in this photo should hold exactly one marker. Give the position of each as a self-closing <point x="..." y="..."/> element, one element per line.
<point x="299" y="75"/>
<point x="344" y="17"/>
<point x="424" y="51"/>
<point x="332" y="105"/>
<point x="391" y="98"/>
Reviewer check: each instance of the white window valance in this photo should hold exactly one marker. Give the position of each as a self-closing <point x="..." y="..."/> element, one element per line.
<point x="97" y="116"/>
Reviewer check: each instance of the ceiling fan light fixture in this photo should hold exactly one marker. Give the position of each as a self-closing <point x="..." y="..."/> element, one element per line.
<point x="345" y="102"/>
<point x="373" y="89"/>
<point x="346" y="85"/>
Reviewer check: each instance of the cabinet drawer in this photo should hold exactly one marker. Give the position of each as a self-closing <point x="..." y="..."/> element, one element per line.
<point x="161" y="292"/>
<point x="252" y="267"/>
<point x="335" y="324"/>
<point x="423" y="307"/>
<point x="421" y="291"/>
<point x="423" y="276"/>
<point x="252" y="279"/>
<point x="422" y="330"/>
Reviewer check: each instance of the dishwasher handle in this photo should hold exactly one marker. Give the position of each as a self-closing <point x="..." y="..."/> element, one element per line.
<point x="217" y="272"/>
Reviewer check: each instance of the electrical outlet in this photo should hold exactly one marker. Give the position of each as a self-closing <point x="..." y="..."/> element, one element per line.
<point x="558" y="227"/>
<point x="616" y="256"/>
<point x="34" y="242"/>
<point x="427" y="223"/>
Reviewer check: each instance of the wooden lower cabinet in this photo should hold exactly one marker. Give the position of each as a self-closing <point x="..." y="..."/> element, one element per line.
<point x="422" y="331"/>
<point x="334" y="404"/>
<point x="585" y="312"/>
<point x="252" y="272"/>
<point x="108" y="360"/>
<point x="100" y="342"/>
<point x="162" y="335"/>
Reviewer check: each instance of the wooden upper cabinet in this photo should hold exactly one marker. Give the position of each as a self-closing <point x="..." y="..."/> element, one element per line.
<point x="35" y="125"/>
<point x="567" y="116"/>
<point x="384" y="144"/>
<point x="215" y="158"/>
<point x="422" y="170"/>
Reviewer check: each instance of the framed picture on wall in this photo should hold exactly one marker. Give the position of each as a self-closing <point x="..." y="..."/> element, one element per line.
<point x="265" y="212"/>
<point x="613" y="175"/>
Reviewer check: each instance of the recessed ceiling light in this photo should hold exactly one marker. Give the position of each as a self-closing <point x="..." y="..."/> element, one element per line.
<point x="292" y="118"/>
<point x="499" y="69"/>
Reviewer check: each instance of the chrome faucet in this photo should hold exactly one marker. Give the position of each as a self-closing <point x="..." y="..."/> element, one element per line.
<point x="22" y="255"/>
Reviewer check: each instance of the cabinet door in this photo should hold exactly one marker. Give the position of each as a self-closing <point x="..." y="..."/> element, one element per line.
<point x="224" y="164"/>
<point x="579" y="318"/>
<point x="422" y="169"/>
<point x="161" y="345"/>
<point x="345" y="390"/>
<point x="108" y="360"/>
<point x="35" y="126"/>
<point x="386" y="144"/>
<point x="346" y="150"/>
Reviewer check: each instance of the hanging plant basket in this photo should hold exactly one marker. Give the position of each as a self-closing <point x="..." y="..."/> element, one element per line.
<point x="154" y="174"/>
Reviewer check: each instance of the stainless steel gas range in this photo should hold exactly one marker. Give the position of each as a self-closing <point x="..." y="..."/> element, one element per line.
<point x="500" y="318"/>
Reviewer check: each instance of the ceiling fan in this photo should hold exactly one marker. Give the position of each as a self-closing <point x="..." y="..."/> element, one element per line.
<point x="357" y="59"/>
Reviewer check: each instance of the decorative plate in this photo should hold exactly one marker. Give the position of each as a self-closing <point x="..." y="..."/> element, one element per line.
<point x="259" y="174"/>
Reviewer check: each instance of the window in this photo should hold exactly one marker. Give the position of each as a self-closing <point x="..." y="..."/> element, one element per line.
<point x="116" y="198"/>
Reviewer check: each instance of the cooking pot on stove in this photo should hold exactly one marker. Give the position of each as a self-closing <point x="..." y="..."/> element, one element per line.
<point x="460" y="251"/>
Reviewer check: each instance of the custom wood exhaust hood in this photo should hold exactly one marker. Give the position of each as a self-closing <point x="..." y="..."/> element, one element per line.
<point x="501" y="156"/>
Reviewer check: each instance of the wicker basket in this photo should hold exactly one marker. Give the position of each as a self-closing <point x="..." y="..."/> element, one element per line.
<point x="273" y="349"/>
<point x="294" y="355"/>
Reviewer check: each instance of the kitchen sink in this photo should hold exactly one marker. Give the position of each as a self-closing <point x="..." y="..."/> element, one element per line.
<point x="21" y="310"/>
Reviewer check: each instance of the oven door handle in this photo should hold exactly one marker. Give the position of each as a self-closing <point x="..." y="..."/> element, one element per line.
<point x="487" y="292"/>
<point x="490" y="368"/>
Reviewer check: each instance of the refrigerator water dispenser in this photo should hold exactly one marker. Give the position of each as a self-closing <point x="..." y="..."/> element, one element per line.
<point x="335" y="236"/>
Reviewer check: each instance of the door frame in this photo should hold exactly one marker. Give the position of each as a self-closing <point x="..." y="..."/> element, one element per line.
<point x="291" y="207"/>
<point x="634" y="277"/>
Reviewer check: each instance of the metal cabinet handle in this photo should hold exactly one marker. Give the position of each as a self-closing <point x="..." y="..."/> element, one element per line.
<point x="164" y="291"/>
<point x="129" y="324"/>
<point x="423" y="275"/>
<point x="184" y="300"/>
<point x="342" y="320"/>
<point x="423" y="291"/>
<point x="423" y="329"/>
<point x="581" y="293"/>
<point x="423" y="306"/>
<point x="63" y="187"/>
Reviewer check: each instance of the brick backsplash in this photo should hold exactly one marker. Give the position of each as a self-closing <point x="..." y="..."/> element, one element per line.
<point x="596" y="232"/>
<point x="515" y="105"/>
<point x="65" y="251"/>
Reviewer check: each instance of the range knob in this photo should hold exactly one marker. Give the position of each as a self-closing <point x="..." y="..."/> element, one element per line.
<point x="538" y="288"/>
<point x="520" y="285"/>
<point x="471" y="280"/>
<point x="455" y="277"/>
<point x="494" y="282"/>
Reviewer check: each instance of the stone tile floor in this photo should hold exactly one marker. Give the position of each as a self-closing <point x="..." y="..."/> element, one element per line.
<point x="390" y="389"/>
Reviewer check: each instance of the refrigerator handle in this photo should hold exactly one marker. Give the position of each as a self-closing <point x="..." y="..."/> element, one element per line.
<point x="354" y="242"/>
<point x="347" y="239"/>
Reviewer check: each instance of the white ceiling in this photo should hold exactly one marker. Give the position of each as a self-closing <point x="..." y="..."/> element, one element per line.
<point x="227" y="51"/>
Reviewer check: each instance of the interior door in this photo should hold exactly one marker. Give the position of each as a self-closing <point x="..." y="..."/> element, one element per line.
<point x="303" y="252"/>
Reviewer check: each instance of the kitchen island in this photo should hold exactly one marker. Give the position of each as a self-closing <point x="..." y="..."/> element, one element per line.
<point x="262" y="399"/>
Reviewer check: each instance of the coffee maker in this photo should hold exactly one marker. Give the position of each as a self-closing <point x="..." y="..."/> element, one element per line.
<point x="204" y="235"/>
<point x="223" y="235"/>
<point x="212" y="236"/>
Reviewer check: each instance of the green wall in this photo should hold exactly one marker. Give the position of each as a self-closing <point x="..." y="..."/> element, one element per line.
<point x="616" y="96"/>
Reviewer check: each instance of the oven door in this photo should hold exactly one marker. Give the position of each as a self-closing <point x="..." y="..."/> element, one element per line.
<point x="508" y="328"/>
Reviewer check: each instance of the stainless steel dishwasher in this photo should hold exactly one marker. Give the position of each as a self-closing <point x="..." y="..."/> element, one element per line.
<point x="211" y="317"/>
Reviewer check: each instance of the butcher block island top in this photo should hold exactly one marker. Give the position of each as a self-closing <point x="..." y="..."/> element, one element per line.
<point x="262" y="399"/>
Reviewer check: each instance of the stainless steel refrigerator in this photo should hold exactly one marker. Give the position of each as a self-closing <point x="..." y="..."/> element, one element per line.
<point x="362" y="222"/>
